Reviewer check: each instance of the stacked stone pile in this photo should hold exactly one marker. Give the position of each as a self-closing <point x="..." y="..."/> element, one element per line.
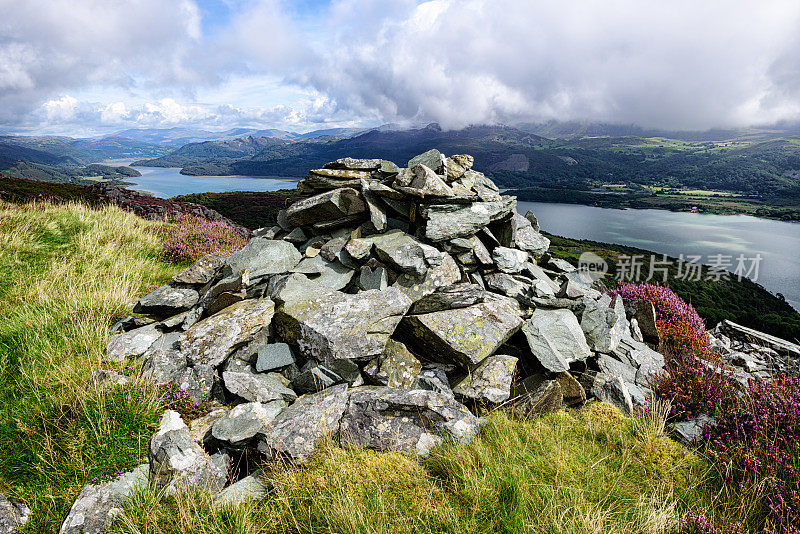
<point x="382" y="311"/>
<point x="751" y="354"/>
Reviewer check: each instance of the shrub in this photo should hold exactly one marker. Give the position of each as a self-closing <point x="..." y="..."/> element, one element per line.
<point x="757" y="443"/>
<point x="694" y="381"/>
<point x="189" y="238"/>
<point x="680" y="327"/>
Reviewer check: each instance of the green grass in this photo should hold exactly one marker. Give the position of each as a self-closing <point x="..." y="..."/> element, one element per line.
<point x="579" y="472"/>
<point x="67" y="272"/>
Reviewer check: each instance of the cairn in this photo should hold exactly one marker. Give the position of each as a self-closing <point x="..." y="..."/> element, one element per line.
<point x="385" y="309"/>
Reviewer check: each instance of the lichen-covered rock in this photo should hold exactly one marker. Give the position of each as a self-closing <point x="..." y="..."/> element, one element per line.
<point x="328" y="206"/>
<point x="327" y="325"/>
<point x="242" y="423"/>
<point x="167" y="300"/>
<point x="296" y="432"/>
<point x="410" y="421"/>
<point x="490" y="381"/>
<point x="463" y="335"/>
<point x="250" y="488"/>
<point x="556" y="339"/>
<point x="396" y="367"/>
<point x="14" y="515"/>
<point x="178" y="461"/>
<point x="213" y="339"/>
<point x="423" y="183"/>
<point x="99" y="504"/>
<point x="262" y="257"/>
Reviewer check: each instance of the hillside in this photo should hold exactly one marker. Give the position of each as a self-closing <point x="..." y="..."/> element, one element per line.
<point x="715" y="174"/>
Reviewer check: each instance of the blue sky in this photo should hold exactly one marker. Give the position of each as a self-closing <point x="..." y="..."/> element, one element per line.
<point x="85" y="67"/>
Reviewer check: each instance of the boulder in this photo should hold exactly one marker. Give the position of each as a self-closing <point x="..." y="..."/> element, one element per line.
<point x="242" y="423"/>
<point x="297" y="430"/>
<point x="262" y="257"/>
<point x="200" y="272"/>
<point x="14" y="515"/>
<point x="315" y="378"/>
<point x="509" y="260"/>
<point x="250" y="488"/>
<point x="167" y="300"/>
<point x="691" y="432"/>
<point x="98" y="505"/>
<point x="456" y="166"/>
<point x="602" y="325"/>
<point x="409" y="421"/>
<point x="463" y="335"/>
<point x="373" y="278"/>
<point x="527" y="238"/>
<point x="432" y="159"/>
<point x="328" y="206"/>
<point x="327" y="325"/>
<point x="377" y="215"/>
<point x="422" y="183"/>
<point x="355" y="164"/>
<point x="417" y="287"/>
<point x="556" y="339"/>
<point x="505" y="284"/>
<point x="179" y="462"/>
<point x="489" y="381"/>
<point x="448" y="221"/>
<point x="396" y="367"/>
<point x="213" y="339"/>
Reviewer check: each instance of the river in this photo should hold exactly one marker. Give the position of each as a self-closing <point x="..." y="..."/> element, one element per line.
<point x="665" y="232"/>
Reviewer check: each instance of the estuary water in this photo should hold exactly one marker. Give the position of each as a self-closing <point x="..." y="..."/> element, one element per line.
<point x="690" y="234"/>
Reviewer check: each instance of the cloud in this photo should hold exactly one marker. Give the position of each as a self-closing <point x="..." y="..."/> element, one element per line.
<point x="50" y="47"/>
<point x="680" y="64"/>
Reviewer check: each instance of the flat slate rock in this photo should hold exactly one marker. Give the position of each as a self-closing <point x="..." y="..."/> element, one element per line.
<point x="262" y="257"/>
<point x="417" y="287"/>
<point x="448" y="221"/>
<point x="296" y="432"/>
<point x="396" y="367"/>
<point x="167" y="300"/>
<point x="211" y="340"/>
<point x="463" y="335"/>
<point x="459" y="295"/>
<point x="328" y="325"/>
<point x="244" y="421"/>
<point x="200" y="272"/>
<point x="274" y="356"/>
<point x="409" y="421"/>
<point x="328" y="206"/>
<point x="257" y="387"/>
<point x="132" y="344"/>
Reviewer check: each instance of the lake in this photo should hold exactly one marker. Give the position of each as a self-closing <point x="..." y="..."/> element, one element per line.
<point x="169" y="182"/>
<point x="665" y="232"/>
<point x="676" y="233"/>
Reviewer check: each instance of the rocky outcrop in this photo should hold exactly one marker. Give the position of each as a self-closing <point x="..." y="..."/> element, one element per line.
<point x="13" y="515"/>
<point x="384" y="310"/>
<point x="750" y="354"/>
